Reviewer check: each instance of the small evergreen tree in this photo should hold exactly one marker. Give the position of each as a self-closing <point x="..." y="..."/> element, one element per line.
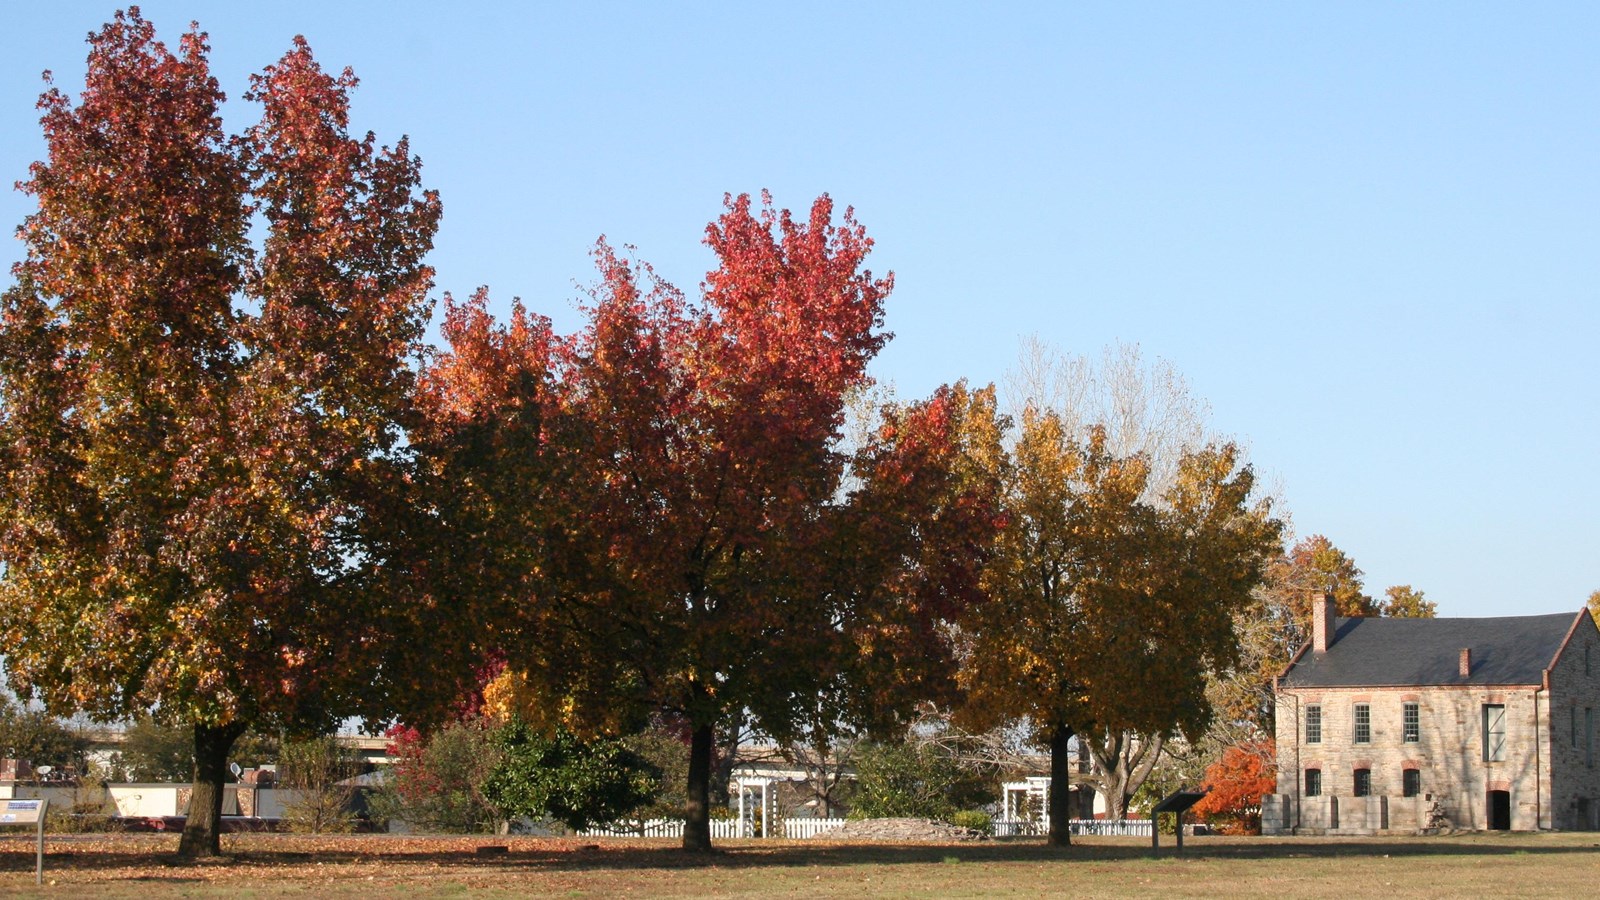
<point x="576" y="782"/>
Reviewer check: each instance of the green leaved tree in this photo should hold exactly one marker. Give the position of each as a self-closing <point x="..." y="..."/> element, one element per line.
<point x="562" y="777"/>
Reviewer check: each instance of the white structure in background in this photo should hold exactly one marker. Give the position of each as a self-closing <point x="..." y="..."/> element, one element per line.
<point x="1026" y="799"/>
<point x="1025" y="809"/>
<point x="755" y="793"/>
<point x="756" y="802"/>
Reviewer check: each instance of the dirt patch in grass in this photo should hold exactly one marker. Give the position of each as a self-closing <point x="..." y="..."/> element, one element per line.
<point x="266" y="865"/>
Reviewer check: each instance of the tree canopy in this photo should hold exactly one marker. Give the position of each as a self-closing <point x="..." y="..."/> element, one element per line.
<point x="203" y="486"/>
<point x="664" y="510"/>
<point x="1105" y="610"/>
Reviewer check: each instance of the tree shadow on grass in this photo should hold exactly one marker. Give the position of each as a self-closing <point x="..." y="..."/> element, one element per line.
<point x="263" y="858"/>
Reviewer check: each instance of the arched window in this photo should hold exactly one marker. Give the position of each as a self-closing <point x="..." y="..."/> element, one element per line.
<point x="1411" y="782"/>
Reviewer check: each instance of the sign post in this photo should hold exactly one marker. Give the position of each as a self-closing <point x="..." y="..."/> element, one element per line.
<point x="24" y="812"/>
<point x="1177" y="803"/>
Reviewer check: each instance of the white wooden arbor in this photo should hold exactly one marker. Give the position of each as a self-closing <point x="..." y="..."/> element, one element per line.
<point x="1017" y="797"/>
<point x="750" y="788"/>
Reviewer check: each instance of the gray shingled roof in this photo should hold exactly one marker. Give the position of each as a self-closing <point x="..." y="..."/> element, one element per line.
<point x="1392" y="652"/>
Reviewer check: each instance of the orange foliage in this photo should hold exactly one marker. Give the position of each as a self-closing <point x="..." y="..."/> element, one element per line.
<point x="1236" y="784"/>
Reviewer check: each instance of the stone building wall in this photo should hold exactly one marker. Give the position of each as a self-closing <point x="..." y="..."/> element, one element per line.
<point x="1575" y="733"/>
<point x="1448" y="756"/>
<point x="1550" y="769"/>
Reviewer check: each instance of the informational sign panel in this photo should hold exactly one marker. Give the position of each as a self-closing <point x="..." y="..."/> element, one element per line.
<point x="22" y="812"/>
<point x="28" y="812"/>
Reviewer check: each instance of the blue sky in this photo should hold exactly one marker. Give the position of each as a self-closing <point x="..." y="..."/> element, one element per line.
<point x="1369" y="234"/>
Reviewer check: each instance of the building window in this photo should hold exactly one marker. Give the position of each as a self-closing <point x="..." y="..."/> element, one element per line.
<point x="1411" y="782"/>
<point x="1313" y="782"/>
<point x="1411" y="723"/>
<point x="1588" y="734"/>
<point x="1494" y="732"/>
<point x="1363" y="723"/>
<point x="1313" y="724"/>
<point x="1363" y="782"/>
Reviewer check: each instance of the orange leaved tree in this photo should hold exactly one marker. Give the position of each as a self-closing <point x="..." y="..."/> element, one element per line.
<point x="1104" y="609"/>
<point x="1235" y="785"/>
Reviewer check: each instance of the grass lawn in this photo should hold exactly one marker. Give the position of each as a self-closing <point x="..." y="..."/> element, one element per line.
<point x="266" y="865"/>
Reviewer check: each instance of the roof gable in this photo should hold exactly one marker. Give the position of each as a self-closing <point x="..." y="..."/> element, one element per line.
<point x="1403" y="652"/>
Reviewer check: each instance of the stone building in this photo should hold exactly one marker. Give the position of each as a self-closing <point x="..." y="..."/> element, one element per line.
<point x="1400" y="725"/>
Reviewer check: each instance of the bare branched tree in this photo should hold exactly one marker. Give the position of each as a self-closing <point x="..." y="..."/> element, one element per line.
<point x="1147" y="409"/>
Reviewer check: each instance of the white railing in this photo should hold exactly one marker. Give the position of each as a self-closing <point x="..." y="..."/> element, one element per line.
<point x="668" y="828"/>
<point x="1110" y="827"/>
<point x="797" y="829"/>
<point x="1019" y="827"/>
<point x="1078" y="827"/>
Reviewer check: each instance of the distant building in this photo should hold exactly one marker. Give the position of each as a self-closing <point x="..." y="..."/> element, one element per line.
<point x="1401" y="725"/>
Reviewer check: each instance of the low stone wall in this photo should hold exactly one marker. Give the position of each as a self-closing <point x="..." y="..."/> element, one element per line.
<point x="900" y="831"/>
<point x="1333" y="814"/>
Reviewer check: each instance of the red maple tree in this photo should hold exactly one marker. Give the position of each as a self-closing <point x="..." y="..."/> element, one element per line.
<point x="1235" y="785"/>
<point x="660" y="508"/>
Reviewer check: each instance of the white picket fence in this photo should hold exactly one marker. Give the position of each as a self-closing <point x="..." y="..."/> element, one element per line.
<point x="1079" y="827"/>
<point x="1110" y="827"/>
<point x="794" y="829"/>
<point x="799" y="829"/>
<point x="1019" y="827"/>
<point x="668" y="828"/>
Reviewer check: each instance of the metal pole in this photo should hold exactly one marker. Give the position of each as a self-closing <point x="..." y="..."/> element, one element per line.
<point x="38" y="866"/>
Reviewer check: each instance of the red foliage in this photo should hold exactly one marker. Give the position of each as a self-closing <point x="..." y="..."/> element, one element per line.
<point x="659" y="513"/>
<point x="1236" y="784"/>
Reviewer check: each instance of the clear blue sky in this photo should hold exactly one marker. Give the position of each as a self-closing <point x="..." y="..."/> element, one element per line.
<point x="1369" y="234"/>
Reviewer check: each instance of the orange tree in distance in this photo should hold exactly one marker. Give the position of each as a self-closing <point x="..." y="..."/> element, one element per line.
<point x="1235" y="785"/>
<point x="659" y="513"/>
<point x="204" y="480"/>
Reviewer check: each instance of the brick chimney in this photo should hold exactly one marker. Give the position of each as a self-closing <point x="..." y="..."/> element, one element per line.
<point x="1466" y="661"/>
<point x="1322" y="621"/>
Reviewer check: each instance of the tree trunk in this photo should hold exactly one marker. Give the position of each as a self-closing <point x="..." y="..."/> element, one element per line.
<point x="202" y="829"/>
<point x="697" y="811"/>
<point x="1124" y="762"/>
<point x="1060" y="786"/>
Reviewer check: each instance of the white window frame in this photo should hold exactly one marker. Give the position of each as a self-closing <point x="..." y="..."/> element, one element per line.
<point x="1494" y="732"/>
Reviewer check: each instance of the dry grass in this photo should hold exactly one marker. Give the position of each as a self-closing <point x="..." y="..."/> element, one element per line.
<point x="263" y="865"/>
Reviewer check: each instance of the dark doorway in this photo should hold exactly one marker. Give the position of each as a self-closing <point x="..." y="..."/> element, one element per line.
<point x="1499" y="810"/>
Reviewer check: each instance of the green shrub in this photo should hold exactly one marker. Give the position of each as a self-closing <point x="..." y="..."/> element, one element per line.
<point x="436" y="781"/>
<point x="917" y="781"/>
<point x="975" y="819"/>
